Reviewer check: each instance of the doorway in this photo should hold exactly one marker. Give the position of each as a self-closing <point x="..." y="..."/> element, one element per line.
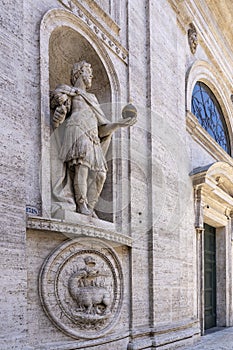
<point x="210" y="276"/>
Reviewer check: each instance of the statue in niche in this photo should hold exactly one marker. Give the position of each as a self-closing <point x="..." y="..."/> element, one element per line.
<point x="192" y="38"/>
<point x="87" y="135"/>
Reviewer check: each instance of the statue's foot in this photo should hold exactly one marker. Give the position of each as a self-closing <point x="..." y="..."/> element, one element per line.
<point x="94" y="215"/>
<point x="84" y="210"/>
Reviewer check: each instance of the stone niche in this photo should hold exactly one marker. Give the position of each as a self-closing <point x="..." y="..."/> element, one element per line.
<point x="95" y="258"/>
<point x="67" y="46"/>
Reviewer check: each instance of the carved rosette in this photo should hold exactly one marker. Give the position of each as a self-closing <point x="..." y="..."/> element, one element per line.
<point x="81" y="288"/>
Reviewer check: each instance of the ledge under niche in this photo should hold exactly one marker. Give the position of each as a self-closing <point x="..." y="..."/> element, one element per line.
<point x="83" y="227"/>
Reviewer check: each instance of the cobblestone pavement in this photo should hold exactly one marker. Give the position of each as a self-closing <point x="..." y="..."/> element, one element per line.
<point x="219" y="340"/>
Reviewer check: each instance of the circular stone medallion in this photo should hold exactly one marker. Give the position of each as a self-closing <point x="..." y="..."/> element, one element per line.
<point x="81" y="288"/>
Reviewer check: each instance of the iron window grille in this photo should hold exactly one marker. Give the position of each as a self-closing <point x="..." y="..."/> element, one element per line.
<point x="209" y="114"/>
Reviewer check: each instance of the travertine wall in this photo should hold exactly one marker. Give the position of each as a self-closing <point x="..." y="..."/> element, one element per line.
<point x="174" y="263"/>
<point x="12" y="179"/>
<point x="42" y="333"/>
<point x="159" y="255"/>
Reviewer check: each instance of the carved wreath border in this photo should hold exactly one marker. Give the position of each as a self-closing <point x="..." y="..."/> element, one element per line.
<point x="118" y="289"/>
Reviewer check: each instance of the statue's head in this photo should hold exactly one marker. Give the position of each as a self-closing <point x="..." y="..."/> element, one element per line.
<point x="83" y="69"/>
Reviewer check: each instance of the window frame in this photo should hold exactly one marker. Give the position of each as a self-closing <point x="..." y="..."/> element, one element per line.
<point x="205" y="72"/>
<point x="206" y="119"/>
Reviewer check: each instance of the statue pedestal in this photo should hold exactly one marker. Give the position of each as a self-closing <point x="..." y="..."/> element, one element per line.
<point x="74" y="225"/>
<point x="80" y="219"/>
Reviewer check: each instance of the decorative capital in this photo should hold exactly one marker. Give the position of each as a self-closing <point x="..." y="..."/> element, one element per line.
<point x="199" y="223"/>
<point x="199" y="231"/>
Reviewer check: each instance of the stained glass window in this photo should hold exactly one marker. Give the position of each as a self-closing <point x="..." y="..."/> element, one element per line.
<point x="209" y="114"/>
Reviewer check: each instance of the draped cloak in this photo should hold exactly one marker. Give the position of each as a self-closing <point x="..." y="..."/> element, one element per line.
<point x="76" y="141"/>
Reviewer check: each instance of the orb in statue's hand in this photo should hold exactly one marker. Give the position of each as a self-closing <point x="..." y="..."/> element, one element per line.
<point x="129" y="111"/>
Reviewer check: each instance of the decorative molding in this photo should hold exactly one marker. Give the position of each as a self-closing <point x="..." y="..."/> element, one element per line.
<point x="205" y="72"/>
<point x="77" y="230"/>
<point x="108" y="19"/>
<point x="211" y="39"/>
<point x="213" y="194"/>
<point x="81" y="288"/>
<point x="199" y="206"/>
<point x="201" y="136"/>
<point x="183" y="15"/>
<point x="163" y="335"/>
<point x="192" y="38"/>
<point x="231" y="224"/>
<point x="99" y="30"/>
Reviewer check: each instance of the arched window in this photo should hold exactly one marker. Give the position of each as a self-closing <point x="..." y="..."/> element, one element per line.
<point x="209" y="114"/>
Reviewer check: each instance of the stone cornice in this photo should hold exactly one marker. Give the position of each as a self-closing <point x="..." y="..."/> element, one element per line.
<point x="201" y="136"/>
<point x="77" y="230"/>
<point x="212" y="37"/>
<point x="213" y="200"/>
<point x="107" y="20"/>
<point x="183" y="15"/>
<point x="209" y="36"/>
<point x="105" y="33"/>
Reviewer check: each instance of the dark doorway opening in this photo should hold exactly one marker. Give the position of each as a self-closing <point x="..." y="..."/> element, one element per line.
<point x="210" y="276"/>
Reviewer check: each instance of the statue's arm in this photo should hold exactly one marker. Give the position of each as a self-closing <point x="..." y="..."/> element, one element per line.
<point x="108" y="129"/>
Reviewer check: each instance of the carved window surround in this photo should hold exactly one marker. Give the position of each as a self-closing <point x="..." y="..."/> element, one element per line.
<point x="86" y="228"/>
<point x="213" y="191"/>
<point x="99" y="27"/>
<point x="201" y="136"/>
<point x="206" y="73"/>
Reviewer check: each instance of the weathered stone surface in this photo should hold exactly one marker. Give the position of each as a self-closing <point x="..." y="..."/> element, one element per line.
<point x="81" y="288"/>
<point x="140" y="51"/>
<point x="12" y="176"/>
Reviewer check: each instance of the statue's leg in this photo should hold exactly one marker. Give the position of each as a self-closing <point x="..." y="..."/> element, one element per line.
<point x="80" y="188"/>
<point x="95" y="185"/>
